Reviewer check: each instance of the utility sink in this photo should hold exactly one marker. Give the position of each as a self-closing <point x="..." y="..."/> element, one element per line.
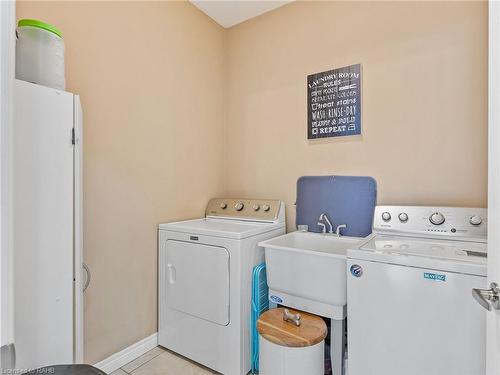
<point x="307" y="271"/>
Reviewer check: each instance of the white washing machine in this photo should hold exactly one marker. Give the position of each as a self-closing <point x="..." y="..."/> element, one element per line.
<point x="409" y="293"/>
<point x="205" y="274"/>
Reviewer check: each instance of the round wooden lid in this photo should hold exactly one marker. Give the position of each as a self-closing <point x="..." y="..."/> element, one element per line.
<point x="273" y="328"/>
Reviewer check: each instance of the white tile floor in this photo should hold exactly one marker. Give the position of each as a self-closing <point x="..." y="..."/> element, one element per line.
<point x="162" y="362"/>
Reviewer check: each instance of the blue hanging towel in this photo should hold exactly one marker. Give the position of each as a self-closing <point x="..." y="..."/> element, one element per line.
<point x="260" y="303"/>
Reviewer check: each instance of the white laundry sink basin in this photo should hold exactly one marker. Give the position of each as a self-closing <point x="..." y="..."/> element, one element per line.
<point x="308" y="271"/>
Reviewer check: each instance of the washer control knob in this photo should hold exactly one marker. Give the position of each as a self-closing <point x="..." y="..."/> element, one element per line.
<point x="223" y="205"/>
<point x="239" y="206"/>
<point x="386" y="216"/>
<point x="475" y="220"/>
<point x="403" y="217"/>
<point x="437" y="218"/>
<point x="266" y="207"/>
<point x="256" y="207"/>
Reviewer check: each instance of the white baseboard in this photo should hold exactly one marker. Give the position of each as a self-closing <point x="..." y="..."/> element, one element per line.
<point x="134" y="351"/>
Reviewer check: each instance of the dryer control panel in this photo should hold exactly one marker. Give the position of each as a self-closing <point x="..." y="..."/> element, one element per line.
<point x="244" y="209"/>
<point x="462" y="223"/>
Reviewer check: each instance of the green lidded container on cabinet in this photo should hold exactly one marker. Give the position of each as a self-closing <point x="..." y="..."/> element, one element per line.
<point x="40" y="25"/>
<point x="40" y="53"/>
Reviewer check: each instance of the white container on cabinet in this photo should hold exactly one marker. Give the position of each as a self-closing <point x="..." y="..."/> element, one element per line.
<point x="40" y="54"/>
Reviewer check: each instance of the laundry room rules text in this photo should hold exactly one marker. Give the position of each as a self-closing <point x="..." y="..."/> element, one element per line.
<point x="334" y="103"/>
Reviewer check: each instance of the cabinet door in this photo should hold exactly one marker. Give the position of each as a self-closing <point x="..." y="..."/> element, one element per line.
<point x="43" y="225"/>
<point x="197" y="278"/>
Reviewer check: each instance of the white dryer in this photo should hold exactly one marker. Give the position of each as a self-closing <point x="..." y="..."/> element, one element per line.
<point x="205" y="274"/>
<point x="410" y="304"/>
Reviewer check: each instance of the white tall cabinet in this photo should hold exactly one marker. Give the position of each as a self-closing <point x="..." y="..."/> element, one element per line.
<point x="47" y="242"/>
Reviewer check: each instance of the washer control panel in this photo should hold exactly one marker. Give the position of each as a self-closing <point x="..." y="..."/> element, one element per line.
<point x="251" y="209"/>
<point x="448" y="222"/>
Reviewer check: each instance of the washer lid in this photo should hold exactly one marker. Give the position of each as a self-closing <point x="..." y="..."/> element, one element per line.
<point x="226" y="228"/>
<point x="445" y="255"/>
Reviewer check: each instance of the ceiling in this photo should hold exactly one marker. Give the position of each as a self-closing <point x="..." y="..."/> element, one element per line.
<point x="228" y="13"/>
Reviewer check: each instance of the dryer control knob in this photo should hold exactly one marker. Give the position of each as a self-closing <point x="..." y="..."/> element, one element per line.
<point x="266" y="207"/>
<point x="256" y="207"/>
<point x="239" y="206"/>
<point x="386" y="216"/>
<point x="476" y="220"/>
<point x="223" y="206"/>
<point x="437" y="218"/>
<point x="403" y="217"/>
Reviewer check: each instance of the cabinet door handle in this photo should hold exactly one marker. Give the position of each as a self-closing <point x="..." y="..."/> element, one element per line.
<point x="488" y="298"/>
<point x="87" y="281"/>
<point x="172" y="273"/>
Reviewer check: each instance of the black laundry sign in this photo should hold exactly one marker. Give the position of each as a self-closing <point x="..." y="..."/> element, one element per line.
<point x="334" y="103"/>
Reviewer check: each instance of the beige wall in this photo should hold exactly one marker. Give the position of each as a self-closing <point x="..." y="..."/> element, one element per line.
<point x="157" y="78"/>
<point x="424" y="100"/>
<point x="150" y="77"/>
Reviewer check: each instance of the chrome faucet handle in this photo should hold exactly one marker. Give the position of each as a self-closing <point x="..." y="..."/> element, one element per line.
<point x="339" y="227"/>
<point x="322" y="225"/>
<point x="325" y="218"/>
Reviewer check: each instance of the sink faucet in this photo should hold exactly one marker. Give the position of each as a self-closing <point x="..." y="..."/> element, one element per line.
<point x="324" y="221"/>
<point x="324" y="217"/>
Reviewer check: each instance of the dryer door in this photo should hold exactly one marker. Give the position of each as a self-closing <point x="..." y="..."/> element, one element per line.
<point x="197" y="280"/>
